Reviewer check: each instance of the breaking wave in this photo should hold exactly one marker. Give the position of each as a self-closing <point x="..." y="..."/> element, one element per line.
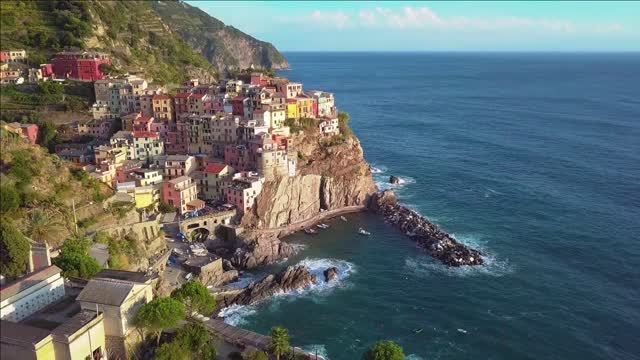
<point x="321" y="350"/>
<point x="425" y="265"/>
<point x="236" y="314"/>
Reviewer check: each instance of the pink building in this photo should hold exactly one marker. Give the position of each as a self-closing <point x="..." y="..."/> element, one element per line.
<point x="182" y="193"/>
<point x="30" y="131"/>
<point x="143" y="123"/>
<point x="243" y="190"/>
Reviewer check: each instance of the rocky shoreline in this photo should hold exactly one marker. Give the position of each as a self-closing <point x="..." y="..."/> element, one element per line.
<point x="436" y="242"/>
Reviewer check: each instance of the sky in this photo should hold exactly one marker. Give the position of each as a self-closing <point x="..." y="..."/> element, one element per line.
<point x="435" y="26"/>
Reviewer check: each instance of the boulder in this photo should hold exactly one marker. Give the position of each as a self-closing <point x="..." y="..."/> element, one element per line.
<point x="330" y="273"/>
<point x="227" y="265"/>
<point x="263" y="250"/>
<point x="289" y="279"/>
<point x="394" y="180"/>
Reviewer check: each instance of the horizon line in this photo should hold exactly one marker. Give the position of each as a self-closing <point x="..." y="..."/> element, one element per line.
<point x="468" y="51"/>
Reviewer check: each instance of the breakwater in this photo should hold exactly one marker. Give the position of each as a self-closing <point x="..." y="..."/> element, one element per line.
<point x="427" y="235"/>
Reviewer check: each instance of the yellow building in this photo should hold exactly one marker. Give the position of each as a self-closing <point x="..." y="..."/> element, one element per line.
<point x="112" y="154"/>
<point x="19" y="341"/>
<point x="81" y="337"/>
<point x="305" y="107"/>
<point x="146" y="195"/>
<point x="292" y="109"/>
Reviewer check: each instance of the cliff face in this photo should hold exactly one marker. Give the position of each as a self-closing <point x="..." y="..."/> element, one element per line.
<point x="224" y="46"/>
<point x="329" y="178"/>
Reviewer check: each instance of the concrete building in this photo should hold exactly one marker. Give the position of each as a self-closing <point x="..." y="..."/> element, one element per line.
<point x="243" y="190"/>
<point x="181" y="193"/>
<point x="31" y="293"/>
<point x="179" y="165"/>
<point x="212" y="179"/>
<point x="146" y="144"/>
<point x="329" y="126"/>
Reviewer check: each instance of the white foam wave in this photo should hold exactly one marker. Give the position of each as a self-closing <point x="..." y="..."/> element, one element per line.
<point x="236" y="314"/>
<point x="298" y="247"/>
<point x="382" y="182"/>
<point x="413" y="357"/>
<point x="378" y="169"/>
<point x="425" y="266"/>
<point x="243" y="280"/>
<point x="319" y="348"/>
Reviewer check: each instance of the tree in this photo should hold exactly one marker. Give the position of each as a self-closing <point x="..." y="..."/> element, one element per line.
<point x="47" y="135"/>
<point x="43" y="227"/>
<point x="172" y="351"/>
<point x="343" y="124"/>
<point x="50" y="88"/>
<point x="158" y="315"/>
<point x="384" y="350"/>
<point x="14" y="250"/>
<point x="74" y="259"/>
<point x="279" y="344"/>
<point x="9" y="198"/>
<point x="165" y="208"/>
<point x="256" y="355"/>
<point x="197" y="339"/>
<point x="195" y="296"/>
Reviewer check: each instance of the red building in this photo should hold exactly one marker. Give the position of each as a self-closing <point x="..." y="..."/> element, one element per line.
<point x="47" y="70"/>
<point x="4" y="56"/>
<point x="238" y="105"/>
<point x="259" y="79"/>
<point x="81" y="65"/>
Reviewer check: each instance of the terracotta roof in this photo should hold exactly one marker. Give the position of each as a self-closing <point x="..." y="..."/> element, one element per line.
<point x="28" y="281"/>
<point x="214" y="168"/>
<point x="196" y="203"/>
<point x="183" y="95"/>
<point x="106" y="291"/>
<point x="161" y="97"/>
<point x="145" y="134"/>
<point x="21" y="334"/>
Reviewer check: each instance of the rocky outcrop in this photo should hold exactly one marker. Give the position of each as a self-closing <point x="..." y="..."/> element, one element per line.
<point x="329" y="178"/>
<point x="289" y="279"/>
<point x="394" y="180"/>
<point x="330" y="274"/>
<point x="218" y="278"/>
<point x="224" y="46"/>
<point x="436" y="242"/>
<point x="262" y="250"/>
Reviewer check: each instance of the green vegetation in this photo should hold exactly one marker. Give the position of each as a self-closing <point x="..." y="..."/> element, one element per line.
<point x="14" y="250"/>
<point x="122" y="251"/>
<point x="256" y="355"/>
<point x="43" y="228"/>
<point x="74" y="259"/>
<point x="9" y="198"/>
<point x="195" y="296"/>
<point x="343" y="124"/>
<point x="384" y="350"/>
<point x="158" y="315"/>
<point x="302" y="124"/>
<point x="279" y="344"/>
<point x="192" y="341"/>
<point x="165" y="208"/>
<point x="89" y="183"/>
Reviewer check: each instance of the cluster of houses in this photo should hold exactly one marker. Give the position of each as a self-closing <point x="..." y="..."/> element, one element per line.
<point x="75" y="65"/>
<point x="42" y="316"/>
<point x="202" y="144"/>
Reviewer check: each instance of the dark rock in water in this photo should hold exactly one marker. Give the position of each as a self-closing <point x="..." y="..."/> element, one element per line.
<point x="330" y="274"/>
<point x="394" y="180"/>
<point x="227" y="265"/>
<point x="436" y="242"/>
<point x="291" y="278"/>
<point x="263" y="250"/>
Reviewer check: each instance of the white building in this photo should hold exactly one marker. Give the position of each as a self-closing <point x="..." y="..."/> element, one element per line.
<point x="31" y="293"/>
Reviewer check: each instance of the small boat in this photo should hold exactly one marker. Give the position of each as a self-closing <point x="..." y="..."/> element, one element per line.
<point x="343" y="218"/>
<point x="417" y="330"/>
<point x="323" y="226"/>
<point x="310" y="231"/>
<point x="362" y="231"/>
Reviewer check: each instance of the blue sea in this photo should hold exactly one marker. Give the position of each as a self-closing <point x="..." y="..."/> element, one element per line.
<point x="532" y="158"/>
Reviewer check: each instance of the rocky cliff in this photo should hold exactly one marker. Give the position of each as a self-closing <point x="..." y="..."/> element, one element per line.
<point x="224" y="46"/>
<point x="330" y="177"/>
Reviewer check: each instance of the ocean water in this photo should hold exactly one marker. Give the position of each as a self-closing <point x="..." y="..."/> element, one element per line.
<point x="532" y="158"/>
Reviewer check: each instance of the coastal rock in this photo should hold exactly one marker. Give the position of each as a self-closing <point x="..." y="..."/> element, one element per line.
<point x="436" y="242"/>
<point x="394" y="180"/>
<point x="227" y="265"/>
<point x="289" y="279"/>
<point x="265" y="249"/>
<point x="218" y="279"/>
<point x="328" y="178"/>
<point x="330" y="273"/>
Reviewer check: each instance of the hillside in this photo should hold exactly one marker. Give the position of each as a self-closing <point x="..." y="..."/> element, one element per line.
<point x="39" y="187"/>
<point x="142" y="37"/>
<point x="224" y="46"/>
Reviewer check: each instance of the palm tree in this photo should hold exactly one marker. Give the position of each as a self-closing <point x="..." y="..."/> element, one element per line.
<point x="42" y="227"/>
<point x="279" y="344"/>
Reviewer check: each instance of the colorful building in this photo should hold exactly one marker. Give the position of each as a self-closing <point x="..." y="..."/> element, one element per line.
<point x="146" y="144"/>
<point x="29" y="132"/>
<point x="212" y="179"/>
<point x="31" y="293"/>
<point x="181" y="193"/>
<point x="243" y="190"/>
<point x="292" y="109"/>
<point x="82" y="65"/>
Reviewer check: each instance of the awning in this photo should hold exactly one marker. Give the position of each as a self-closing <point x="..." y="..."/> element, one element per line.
<point x="196" y="204"/>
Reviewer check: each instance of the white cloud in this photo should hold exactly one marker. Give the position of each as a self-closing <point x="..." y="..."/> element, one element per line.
<point x="425" y="18"/>
<point x="330" y="19"/>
